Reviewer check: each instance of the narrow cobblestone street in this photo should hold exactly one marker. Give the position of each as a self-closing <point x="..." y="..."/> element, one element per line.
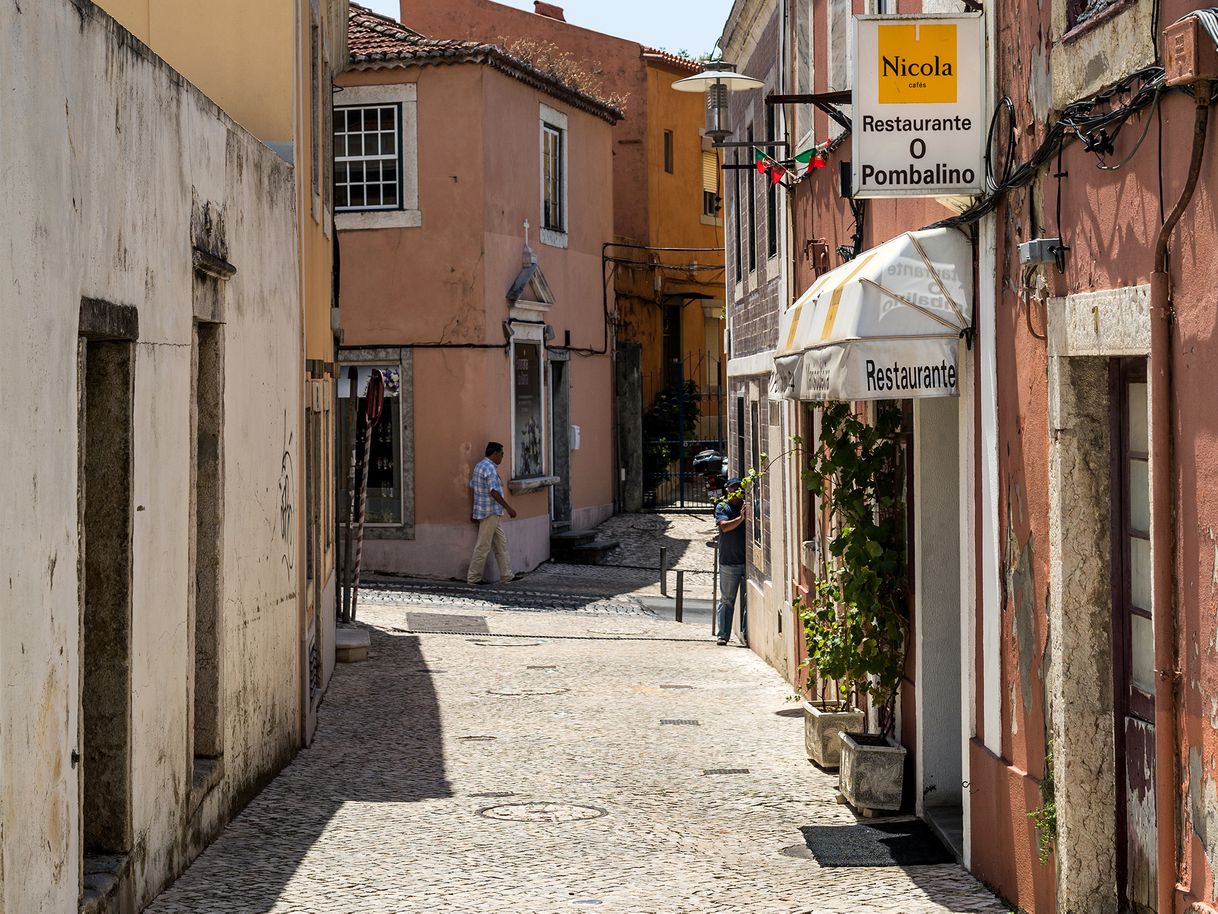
<point x="600" y="759"/>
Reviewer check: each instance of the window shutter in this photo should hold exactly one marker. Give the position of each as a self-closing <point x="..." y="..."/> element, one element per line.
<point x="710" y="172"/>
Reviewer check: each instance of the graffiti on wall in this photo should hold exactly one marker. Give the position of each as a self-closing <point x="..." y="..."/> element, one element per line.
<point x="287" y="501"/>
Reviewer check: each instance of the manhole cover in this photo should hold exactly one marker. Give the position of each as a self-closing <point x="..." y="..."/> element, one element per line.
<point x="479" y="738"/>
<point x="681" y="723"/>
<point x="494" y="794"/>
<point x="676" y="687"/>
<point x="505" y="643"/>
<point x="725" y="771"/>
<point x="541" y="812"/>
<point x="442" y="623"/>
<point x="517" y="693"/>
<point x="541" y="667"/>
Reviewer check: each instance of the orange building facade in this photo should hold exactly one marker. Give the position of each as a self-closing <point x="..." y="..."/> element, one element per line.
<point x="471" y="271"/>
<point x="664" y="256"/>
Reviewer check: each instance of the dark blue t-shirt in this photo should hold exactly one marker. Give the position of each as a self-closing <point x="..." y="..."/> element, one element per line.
<point x="731" y="543"/>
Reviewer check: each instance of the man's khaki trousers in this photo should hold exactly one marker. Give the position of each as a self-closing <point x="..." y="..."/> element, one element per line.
<point x="490" y="534"/>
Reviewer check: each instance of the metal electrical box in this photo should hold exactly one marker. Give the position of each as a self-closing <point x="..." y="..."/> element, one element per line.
<point x="1191" y="53"/>
<point x="1039" y="250"/>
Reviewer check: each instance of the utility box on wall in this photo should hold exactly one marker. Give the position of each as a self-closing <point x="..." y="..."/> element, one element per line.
<point x="1191" y="54"/>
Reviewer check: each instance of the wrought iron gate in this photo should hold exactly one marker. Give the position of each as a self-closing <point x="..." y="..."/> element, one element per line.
<point x="686" y="416"/>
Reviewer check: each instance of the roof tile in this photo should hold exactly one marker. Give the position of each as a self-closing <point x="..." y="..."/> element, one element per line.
<point x="376" y="40"/>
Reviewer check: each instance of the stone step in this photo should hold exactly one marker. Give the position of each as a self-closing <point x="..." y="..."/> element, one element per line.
<point x="586" y="554"/>
<point x="568" y="539"/>
<point x="351" y="645"/>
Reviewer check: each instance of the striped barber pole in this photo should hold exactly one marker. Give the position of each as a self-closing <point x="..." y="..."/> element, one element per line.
<point x="374" y="401"/>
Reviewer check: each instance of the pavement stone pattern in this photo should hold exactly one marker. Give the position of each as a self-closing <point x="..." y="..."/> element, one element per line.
<point x="633" y="567"/>
<point x="526" y="769"/>
<point x="518" y="595"/>
<point x="629" y="571"/>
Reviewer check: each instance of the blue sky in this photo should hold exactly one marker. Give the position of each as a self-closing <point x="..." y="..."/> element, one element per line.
<point x="675" y="25"/>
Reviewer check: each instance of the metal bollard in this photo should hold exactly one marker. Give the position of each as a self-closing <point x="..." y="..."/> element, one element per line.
<point x="663" y="571"/>
<point x="715" y="592"/>
<point x="680" y="594"/>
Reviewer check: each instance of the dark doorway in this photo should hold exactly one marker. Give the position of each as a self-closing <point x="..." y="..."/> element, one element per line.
<point x="208" y="542"/>
<point x="560" y="442"/>
<point x="1133" y="637"/>
<point x="671" y="339"/>
<point x="106" y="394"/>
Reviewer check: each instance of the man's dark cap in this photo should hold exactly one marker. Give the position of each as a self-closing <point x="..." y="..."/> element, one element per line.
<point x="732" y="483"/>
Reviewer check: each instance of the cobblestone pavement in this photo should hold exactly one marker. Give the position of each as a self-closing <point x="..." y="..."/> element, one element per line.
<point x="629" y="571"/>
<point x="496" y="761"/>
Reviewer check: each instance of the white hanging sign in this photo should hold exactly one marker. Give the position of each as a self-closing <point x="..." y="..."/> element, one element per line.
<point x="919" y="96"/>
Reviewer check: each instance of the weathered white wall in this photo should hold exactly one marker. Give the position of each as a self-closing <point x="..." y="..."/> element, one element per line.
<point x="101" y="148"/>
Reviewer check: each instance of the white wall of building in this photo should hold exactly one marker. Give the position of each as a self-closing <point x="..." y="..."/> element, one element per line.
<point x="102" y="150"/>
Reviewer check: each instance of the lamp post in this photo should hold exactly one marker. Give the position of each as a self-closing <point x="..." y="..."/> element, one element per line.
<point x="717" y="80"/>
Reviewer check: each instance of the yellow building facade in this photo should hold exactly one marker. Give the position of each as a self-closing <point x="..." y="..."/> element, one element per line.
<point x="685" y="196"/>
<point x="271" y="65"/>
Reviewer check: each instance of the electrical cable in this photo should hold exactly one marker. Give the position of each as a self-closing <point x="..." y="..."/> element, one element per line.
<point x="1090" y="120"/>
<point x="1138" y="145"/>
<point x="991" y="183"/>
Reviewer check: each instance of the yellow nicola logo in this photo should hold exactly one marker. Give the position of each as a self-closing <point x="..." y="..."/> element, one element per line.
<point x="917" y="64"/>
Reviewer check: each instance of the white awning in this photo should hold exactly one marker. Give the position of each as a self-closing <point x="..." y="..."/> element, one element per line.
<point x="884" y="326"/>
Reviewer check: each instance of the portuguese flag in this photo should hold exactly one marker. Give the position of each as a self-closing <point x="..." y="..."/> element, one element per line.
<point x="766" y="164"/>
<point x="811" y="158"/>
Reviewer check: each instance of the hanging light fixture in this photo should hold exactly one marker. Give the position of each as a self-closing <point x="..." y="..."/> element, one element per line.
<point x="717" y="80"/>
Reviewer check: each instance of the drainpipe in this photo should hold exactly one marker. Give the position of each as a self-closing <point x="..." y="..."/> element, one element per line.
<point x="1163" y="529"/>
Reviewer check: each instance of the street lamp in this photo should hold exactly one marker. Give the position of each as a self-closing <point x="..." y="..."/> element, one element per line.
<point x="717" y="80"/>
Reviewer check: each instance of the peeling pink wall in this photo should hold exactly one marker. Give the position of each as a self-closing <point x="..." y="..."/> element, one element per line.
<point x="479" y="180"/>
<point x="615" y="61"/>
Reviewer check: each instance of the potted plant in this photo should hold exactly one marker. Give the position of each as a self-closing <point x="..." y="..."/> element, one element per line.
<point x="834" y="708"/>
<point x="855" y="625"/>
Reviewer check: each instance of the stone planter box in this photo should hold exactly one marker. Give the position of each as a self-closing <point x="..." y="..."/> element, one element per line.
<point x="821" y="729"/>
<point x="872" y="772"/>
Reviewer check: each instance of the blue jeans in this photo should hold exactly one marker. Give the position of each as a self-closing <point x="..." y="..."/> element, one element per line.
<point x="731" y="582"/>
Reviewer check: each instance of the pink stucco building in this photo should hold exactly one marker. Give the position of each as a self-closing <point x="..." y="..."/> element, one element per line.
<point x="473" y="195"/>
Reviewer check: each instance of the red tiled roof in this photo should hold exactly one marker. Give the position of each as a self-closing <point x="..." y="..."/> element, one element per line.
<point x="376" y="41"/>
<point x="673" y="60"/>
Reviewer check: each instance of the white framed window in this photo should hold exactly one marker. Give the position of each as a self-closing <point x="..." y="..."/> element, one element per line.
<point x="555" y="218"/>
<point x="367" y="157"/>
<point x="376" y="176"/>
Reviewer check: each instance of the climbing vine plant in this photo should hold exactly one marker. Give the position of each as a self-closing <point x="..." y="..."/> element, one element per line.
<point x="855" y="624"/>
<point x="1044" y="816"/>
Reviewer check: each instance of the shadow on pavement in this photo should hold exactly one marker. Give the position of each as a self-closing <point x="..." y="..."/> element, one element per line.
<point x="378" y="740"/>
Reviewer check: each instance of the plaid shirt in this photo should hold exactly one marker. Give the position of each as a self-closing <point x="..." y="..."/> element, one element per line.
<point x="484" y="481"/>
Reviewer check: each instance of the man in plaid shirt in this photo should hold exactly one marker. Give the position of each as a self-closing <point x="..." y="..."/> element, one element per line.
<point x="488" y="512"/>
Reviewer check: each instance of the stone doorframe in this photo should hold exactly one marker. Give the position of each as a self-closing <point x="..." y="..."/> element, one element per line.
<point x="1085" y="331"/>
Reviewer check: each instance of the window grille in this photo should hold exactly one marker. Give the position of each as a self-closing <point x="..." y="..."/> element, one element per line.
<point x="553" y="217"/>
<point x="367" y="158"/>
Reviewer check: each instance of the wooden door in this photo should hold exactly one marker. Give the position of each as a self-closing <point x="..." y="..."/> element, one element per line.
<point x="1133" y="638"/>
